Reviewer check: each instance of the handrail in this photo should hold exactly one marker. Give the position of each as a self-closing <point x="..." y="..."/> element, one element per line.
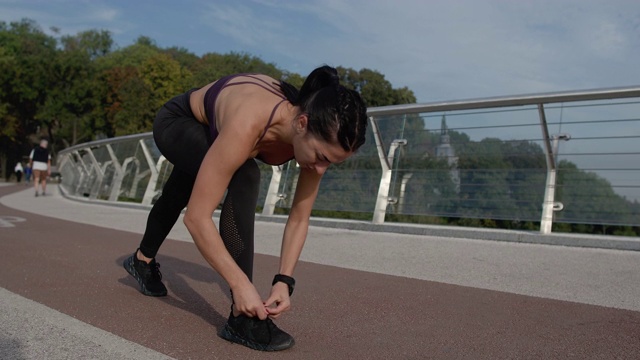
<point x="478" y="103"/>
<point x="504" y="101"/>
<point x="114" y="140"/>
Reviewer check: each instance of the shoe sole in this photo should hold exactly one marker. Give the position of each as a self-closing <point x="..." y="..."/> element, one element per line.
<point x="228" y="334"/>
<point x="128" y="265"/>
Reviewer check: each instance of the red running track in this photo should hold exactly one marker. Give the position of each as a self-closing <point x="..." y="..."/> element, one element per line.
<point x="337" y="313"/>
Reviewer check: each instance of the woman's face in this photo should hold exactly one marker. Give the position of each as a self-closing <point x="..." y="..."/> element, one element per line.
<point x="316" y="154"/>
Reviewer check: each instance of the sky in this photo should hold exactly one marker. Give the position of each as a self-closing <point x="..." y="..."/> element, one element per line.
<point x="441" y="50"/>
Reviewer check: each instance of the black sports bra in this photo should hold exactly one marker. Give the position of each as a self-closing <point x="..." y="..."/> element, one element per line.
<point x="212" y="94"/>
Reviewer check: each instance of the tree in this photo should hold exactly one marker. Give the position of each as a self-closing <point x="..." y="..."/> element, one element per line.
<point x="374" y="88"/>
<point x="136" y="82"/>
<point x="164" y="77"/>
<point x="185" y="58"/>
<point x="73" y="99"/>
<point x="589" y="198"/>
<point x="25" y="54"/>
<point x="213" y="66"/>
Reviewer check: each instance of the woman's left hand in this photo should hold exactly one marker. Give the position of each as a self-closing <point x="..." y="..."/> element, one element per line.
<point x="279" y="298"/>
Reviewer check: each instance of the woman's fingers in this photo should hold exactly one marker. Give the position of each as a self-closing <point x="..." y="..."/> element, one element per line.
<point x="279" y="300"/>
<point x="247" y="301"/>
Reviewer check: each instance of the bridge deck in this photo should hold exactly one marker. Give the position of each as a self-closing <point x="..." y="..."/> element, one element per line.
<point x="360" y="295"/>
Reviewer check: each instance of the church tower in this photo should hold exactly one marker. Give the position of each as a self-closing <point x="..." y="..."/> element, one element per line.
<point x="445" y="150"/>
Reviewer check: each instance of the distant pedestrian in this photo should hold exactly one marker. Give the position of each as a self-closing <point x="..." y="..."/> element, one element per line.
<point x="27" y="174"/>
<point x="40" y="162"/>
<point x="18" y="170"/>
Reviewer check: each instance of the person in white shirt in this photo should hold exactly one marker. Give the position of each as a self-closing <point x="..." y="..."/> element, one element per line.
<point x="18" y="170"/>
<point x="40" y="162"/>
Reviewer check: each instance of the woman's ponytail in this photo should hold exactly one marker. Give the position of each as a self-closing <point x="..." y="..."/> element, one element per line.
<point x="319" y="78"/>
<point x="290" y="92"/>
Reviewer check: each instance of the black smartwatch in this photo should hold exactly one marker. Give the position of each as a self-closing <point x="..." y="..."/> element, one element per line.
<point x="291" y="282"/>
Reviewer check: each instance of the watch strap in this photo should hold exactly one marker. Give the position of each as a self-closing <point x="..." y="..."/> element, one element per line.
<point x="291" y="282"/>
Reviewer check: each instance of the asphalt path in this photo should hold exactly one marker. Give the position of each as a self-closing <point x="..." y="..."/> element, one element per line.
<point x="65" y="295"/>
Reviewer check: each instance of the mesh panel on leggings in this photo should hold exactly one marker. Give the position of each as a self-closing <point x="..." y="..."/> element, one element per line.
<point x="229" y="230"/>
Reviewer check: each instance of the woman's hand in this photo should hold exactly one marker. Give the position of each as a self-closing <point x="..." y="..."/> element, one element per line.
<point x="279" y="298"/>
<point x="247" y="301"/>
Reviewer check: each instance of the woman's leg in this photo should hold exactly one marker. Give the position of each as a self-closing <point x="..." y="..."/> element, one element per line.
<point x="184" y="142"/>
<point x="166" y="211"/>
<point x="238" y="215"/>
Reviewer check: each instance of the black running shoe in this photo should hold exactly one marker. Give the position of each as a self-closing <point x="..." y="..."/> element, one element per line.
<point x="256" y="334"/>
<point x="147" y="275"/>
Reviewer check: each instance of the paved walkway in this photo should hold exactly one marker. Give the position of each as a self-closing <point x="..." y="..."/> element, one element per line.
<point x="360" y="295"/>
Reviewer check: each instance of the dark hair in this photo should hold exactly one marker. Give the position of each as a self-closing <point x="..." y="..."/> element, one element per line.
<point x="335" y="112"/>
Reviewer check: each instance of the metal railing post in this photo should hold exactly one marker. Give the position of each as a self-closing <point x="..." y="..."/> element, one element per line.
<point x="546" y="219"/>
<point x="386" y="162"/>
<point x="118" y="175"/>
<point x="272" y="193"/>
<point x="549" y="205"/>
<point x="117" y="186"/>
<point x="93" y="194"/>
<point x="154" y="167"/>
<point x="403" y="187"/>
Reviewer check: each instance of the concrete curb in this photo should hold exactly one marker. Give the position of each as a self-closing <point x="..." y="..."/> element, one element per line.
<point x="530" y="237"/>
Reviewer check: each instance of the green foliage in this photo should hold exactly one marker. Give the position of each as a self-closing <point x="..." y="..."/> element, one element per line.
<point x="374" y="88"/>
<point x="585" y="195"/>
<point x="213" y="66"/>
<point x="182" y="56"/>
<point x="164" y="77"/>
<point x="25" y="55"/>
<point x="69" y="106"/>
<point x="294" y="79"/>
<point x="137" y="109"/>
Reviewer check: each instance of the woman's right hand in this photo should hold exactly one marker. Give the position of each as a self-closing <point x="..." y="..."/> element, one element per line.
<point x="247" y="301"/>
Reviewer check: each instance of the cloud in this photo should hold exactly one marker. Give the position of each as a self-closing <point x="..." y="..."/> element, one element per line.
<point x="458" y="49"/>
<point x="70" y="17"/>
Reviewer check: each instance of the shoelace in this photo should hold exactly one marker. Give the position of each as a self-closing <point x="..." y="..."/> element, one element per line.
<point x="272" y="328"/>
<point x="257" y="328"/>
<point x="154" y="271"/>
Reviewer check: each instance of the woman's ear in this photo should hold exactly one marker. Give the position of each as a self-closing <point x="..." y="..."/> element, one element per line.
<point x="301" y="123"/>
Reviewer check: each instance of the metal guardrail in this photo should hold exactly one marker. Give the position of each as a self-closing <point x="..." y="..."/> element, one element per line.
<point x="495" y="158"/>
<point x="508" y="101"/>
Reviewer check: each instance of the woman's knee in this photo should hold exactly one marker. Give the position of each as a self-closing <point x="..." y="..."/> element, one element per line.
<point x="178" y="188"/>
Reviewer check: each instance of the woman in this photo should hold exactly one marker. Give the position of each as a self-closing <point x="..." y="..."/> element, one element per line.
<point x="212" y="136"/>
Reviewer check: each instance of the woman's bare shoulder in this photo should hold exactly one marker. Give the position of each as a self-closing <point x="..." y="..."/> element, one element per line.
<point x="246" y="106"/>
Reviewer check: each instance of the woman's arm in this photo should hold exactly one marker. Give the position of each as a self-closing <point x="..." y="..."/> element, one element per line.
<point x="295" y="235"/>
<point x="295" y="231"/>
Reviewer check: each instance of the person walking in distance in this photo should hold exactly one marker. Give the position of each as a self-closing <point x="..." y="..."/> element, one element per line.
<point x="40" y="163"/>
<point x="213" y="135"/>
<point x="27" y="174"/>
<point x="18" y="170"/>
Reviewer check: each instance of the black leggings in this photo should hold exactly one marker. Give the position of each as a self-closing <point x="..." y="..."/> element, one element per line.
<point x="184" y="141"/>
